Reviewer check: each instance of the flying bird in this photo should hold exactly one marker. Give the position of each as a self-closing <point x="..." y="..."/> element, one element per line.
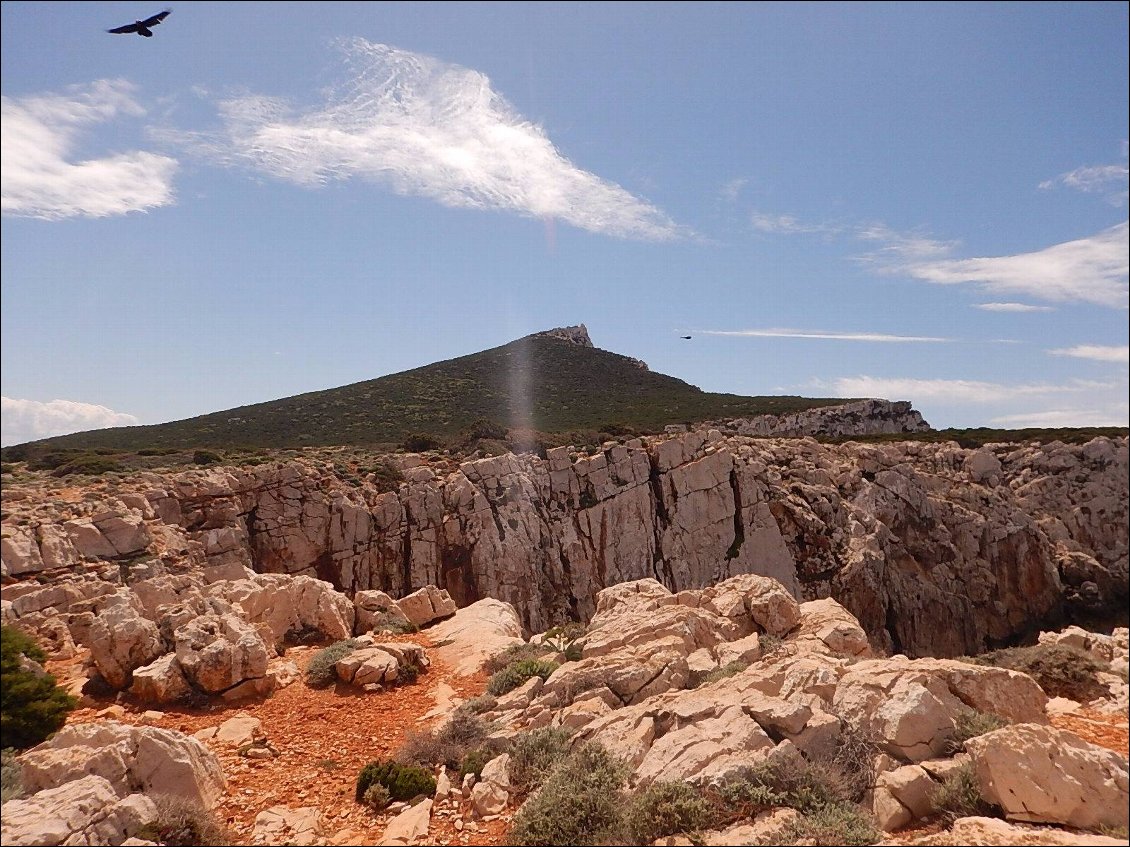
<point x="687" y="337"/>
<point x="142" y="27"/>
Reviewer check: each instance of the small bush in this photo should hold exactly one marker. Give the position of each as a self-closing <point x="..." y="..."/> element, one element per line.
<point x="32" y="707"/>
<point x="665" y="808"/>
<point x="515" y="653"/>
<point x="7" y="468"/>
<point x="852" y="766"/>
<point x="419" y="442"/>
<point x="206" y="457"/>
<point x="402" y="781"/>
<point x="834" y="825"/>
<point x="970" y="724"/>
<point x="386" y="477"/>
<point x="447" y="745"/>
<point x="480" y="704"/>
<point x="1060" y="670"/>
<point x="89" y="465"/>
<point x="959" y="796"/>
<point x="534" y="755"/>
<point x="376" y="797"/>
<point x="579" y="804"/>
<point x="517" y="673"/>
<point x="320" y="672"/>
<point x="183" y="823"/>
<point x="11" y="780"/>
<point x="474" y="762"/>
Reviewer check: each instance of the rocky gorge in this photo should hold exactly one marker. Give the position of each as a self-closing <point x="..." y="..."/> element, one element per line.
<point x="705" y="605"/>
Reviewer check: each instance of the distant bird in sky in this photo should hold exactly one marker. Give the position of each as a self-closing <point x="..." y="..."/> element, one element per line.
<point x="142" y="27"/>
<point x="687" y="337"/>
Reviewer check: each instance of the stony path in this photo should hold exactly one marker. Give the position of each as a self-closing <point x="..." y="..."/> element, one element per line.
<point x="324" y="738"/>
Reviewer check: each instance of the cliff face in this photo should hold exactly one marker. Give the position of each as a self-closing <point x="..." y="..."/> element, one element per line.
<point x="936" y="549"/>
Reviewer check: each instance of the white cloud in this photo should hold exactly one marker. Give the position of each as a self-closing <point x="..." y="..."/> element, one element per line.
<point x="38" y="181"/>
<point x="790" y="225"/>
<point x="733" y="188"/>
<point x="1089" y="270"/>
<point x="967" y="403"/>
<point x="1012" y="307"/>
<point x="1055" y="418"/>
<point x="1097" y="352"/>
<point x="823" y="335"/>
<point x="1111" y="180"/>
<point x="424" y="127"/>
<point x="29" y="420"/>
<point x="900" y="247"/>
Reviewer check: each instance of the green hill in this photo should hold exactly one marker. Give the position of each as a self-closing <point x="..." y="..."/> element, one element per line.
<point x="538" y="382"/>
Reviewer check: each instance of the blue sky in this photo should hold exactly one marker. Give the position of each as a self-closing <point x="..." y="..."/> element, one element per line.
<point x="921" y="201"/>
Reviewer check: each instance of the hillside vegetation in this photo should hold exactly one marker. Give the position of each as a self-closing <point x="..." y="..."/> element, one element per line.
<point x="537" y="382"/>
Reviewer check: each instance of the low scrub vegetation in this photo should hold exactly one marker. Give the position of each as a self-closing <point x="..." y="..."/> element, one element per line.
<point x="448" y="745"/>
<point x="184" y="823"/>
<point x="971" y="724"/>
<point x="32" y="706"/>
<point x="663" y="809"/>
<point x="516" y="673"/>
<point x="959" y="796"/>
<point x="580" y="802"/>
<point x="402" y="781"/>
<point x="11" y="781"/>
<point x="534" y="755"/>
<point x="1060" y="670"/>
<point x="724" y="672"/>
<point x="320" y="672"/>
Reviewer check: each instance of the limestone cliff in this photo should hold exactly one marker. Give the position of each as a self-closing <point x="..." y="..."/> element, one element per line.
<point x="938" y="550"/>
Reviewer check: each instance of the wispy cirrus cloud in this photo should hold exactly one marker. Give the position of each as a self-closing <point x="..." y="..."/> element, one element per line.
<point x="1087" y="270"/>
<point x="37" y="179"/>
<point x="1096" y="352"/>
<point x="432" y="129"/>
<point x="825" y="335"/>
<point x="1012" y="307"/>
<point x="1110" y="180"/>
<point x="29" y="420"/>
<point x="791" y="225"/>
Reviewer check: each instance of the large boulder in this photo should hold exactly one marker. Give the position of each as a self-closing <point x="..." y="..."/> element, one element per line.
<point x="122" y="640"/>
<point x="1039" y="774"/>
<point x="375" y="610"/>
<point x="131" y="758"/>
<point x="427" y="605"/>
<point x="86" y="810"/>
<point x="474" y="634"/>
<point x="219" y="652"/>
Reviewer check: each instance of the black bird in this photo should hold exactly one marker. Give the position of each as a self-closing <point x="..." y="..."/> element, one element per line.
<point x="142" y="27"/>
<point x="687" y="337"/>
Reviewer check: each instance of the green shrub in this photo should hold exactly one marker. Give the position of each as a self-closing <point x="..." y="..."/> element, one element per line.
<point x="515" y="653"/>
<point x="480" y="704"/>
<point x="474" y="762"/>
<point x="320" y="672"/>
<point x="11" y="779"/>
<point x="516" y="673"/>
<point x="90" y="466"/>
<point x="419" y="442"/>
<point x="386" y="477"/>
<point x="32" y="707"/>
<point x="402" y="781"/>
<point x="1060" y="670"/>
<point x="852" y="766"/>
<point x="184" y="823"/>
<point x="665" y="808"/>
<point x="206" y="457"/>
<point x="534" y="755"/>
<point x="7" y="468"/>
<point x="970" y="724"/>
<point x="579" y="804"/>
<point x="834" y="825"/>
<point x="376" y="797"/>
<point x="959" y="796"/>
<point x="447" y="745"/>
<point x="798" y="784"/>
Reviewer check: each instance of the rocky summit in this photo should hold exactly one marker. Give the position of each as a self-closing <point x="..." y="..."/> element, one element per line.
<point x="726" y="634"/>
